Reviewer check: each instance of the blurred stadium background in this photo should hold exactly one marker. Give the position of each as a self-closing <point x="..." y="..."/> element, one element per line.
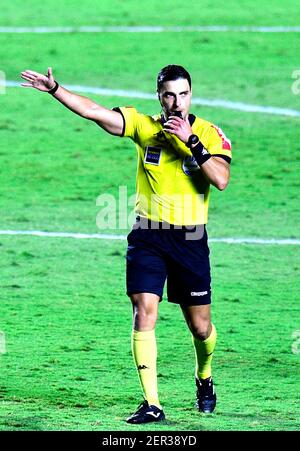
<point x="65" y="360"/>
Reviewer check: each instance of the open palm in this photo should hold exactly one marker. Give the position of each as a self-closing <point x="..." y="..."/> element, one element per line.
<point x="38" y="81"/>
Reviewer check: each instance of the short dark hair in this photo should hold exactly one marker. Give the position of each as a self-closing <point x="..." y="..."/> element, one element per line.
<point x="172" y="72"/>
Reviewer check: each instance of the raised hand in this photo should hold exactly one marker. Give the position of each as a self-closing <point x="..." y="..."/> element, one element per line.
<point x="178" y="127"/>
<point x="38" y="81"/>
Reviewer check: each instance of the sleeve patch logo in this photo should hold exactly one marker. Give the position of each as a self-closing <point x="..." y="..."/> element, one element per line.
<point x="226" y="143"/>
<point x="152" y="155"/>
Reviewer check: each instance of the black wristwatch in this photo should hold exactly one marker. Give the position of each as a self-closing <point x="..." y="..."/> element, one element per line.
<point x="54" y="89"/>
<point x="193" y="139"/>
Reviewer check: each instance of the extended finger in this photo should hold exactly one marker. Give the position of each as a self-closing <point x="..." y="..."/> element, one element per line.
<point x="28" y="77"/>
<point x="31" y="72"/>
<point x="27" y="85"/>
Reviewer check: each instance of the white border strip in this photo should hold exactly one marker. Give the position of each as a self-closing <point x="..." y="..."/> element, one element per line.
<point x="218" y="103"/>
<point x="100" y="236"/>
<point x="79" y="236"/>
<point x="154" y="29"/>
<point x="3" y="349"/>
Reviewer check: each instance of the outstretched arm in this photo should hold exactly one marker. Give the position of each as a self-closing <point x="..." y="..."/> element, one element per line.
<point x="109" y="120"/>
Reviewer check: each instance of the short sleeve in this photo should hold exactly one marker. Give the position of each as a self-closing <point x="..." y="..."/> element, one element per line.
<point x="219" y="144"/>
<point x="131" y="121"/>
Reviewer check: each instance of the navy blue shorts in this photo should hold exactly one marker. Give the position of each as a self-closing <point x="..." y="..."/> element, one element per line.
<point x="180" y="255"/>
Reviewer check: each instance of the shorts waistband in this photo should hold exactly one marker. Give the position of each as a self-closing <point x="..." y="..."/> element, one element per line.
<point x="146" y="223"/>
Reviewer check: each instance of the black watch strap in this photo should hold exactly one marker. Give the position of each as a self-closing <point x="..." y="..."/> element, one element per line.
<point x="54" y="89"/>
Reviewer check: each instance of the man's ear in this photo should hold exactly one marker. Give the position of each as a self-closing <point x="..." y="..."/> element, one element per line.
<point x="158" y="96"/>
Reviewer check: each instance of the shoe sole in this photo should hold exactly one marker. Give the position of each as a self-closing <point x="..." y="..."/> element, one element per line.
<point x="154" y="420"/>
<point x="210" y="410"/>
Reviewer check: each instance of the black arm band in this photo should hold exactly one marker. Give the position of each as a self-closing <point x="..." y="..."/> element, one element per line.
<point x="54" y="89"/>
<point x="200" y="154"/>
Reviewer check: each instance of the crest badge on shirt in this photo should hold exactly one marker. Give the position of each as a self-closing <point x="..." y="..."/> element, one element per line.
<point x="189" y="166"/>
<point x="153" y="155"/>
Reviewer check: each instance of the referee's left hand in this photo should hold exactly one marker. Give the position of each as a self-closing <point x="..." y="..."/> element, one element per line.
<point x="178" y="127"/>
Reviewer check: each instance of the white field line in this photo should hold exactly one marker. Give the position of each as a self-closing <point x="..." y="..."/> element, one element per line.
<point x="154" y="29"/>
<point x="217" y="103"/>
<point x="100" y="236"/>
<point x="2" y="343"/>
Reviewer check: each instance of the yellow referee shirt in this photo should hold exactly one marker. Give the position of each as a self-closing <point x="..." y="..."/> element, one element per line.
<point x="170" y="185"/>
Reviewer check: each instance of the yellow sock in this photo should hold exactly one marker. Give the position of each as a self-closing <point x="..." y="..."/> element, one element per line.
<point x="204" y="354"/>
<point x="144" y="352"/>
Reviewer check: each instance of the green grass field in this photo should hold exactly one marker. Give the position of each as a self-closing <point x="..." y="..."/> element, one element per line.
<point x="64" y="312"/>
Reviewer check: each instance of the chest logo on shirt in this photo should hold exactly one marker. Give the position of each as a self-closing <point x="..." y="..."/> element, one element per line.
<point x="189" y="165"/>
<point x="153" y="155"/>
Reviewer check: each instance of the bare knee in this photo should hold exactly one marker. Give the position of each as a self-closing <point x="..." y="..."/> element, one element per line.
<point x="145" y="311"/>
<point x="201" y="329"/>
<point x="198" y="319"/>
<point x="143" y="319"/>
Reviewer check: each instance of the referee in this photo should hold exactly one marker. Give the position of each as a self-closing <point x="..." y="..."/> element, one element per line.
<point x="179" y="156"/>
